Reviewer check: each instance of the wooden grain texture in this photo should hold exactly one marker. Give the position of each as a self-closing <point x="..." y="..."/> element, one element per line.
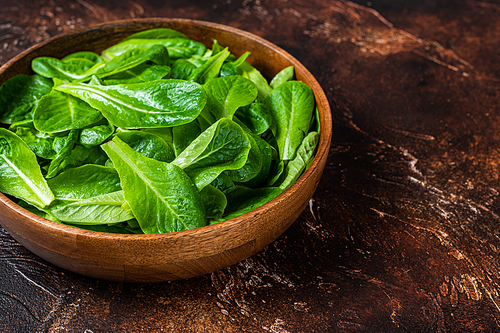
<point x="402" y="232"/>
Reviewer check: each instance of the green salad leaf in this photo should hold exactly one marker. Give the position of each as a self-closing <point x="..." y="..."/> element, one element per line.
<point x="157" y="54"/>
<point x="40" y="143"/>
<point x="161" y="103"/>
<point x="227" y="94"/>
<point x="223" y="146"/>
<point x="102" y="209"/>
<point x="64" y="70"/>
<point x="162" y="197"/>
<point x="156" y="134"/>
<point x="159" y="33"/>
<point x="215" y="202"/>
<point x="177" y="47"/>
<point x="251" y="73"/>
<point x="291" y="105"/>
<point x="20" y="174"/>
<point x="148" y="144"/>
<point x="95" y="135"/>
<point x="19" y="94"/>
<point x="59" y="112"/>
<point x="304" y="156"/>
<point x="84" y="182"/>
<point x="285" y="75"/>
<point x="210" y="69"/>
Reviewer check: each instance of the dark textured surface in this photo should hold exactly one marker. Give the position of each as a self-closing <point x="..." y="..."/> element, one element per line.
<point x="402" y="234"/>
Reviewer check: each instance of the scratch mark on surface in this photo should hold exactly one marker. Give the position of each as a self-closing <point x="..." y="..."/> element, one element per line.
<point x="456" y="254"/>
<point x="414" y="135"/>
<point x="234" y="284"/>
<point x="311" y="204"/>
<point x="36" y="284"/>
<point x="454" y="296"/>
<point x="27" y="308"/>
<point x="372" y="12"/>
<point x="395" y="306"/>
<point x="138" y="7"/>
<point x="382" y="39"/>
<point x="456" y="283"/>
<point x="412" y="162"/>
<point x="277" y="327"/>
<point x="89" y="7"/>
<point x="490" y="296"/>
<point x="381" y="214"/>
<point x="470" y="287"/>
<point x="69" y="311"/>
<point x="301" y="306"/>
<point x="439" y="314"/>
<point x="488" y="5"/>
<point x="349" y="325"/>
<point x="443" y="288"/>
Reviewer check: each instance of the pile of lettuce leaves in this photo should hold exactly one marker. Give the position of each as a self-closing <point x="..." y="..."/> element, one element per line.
<point x="157" y="134"/>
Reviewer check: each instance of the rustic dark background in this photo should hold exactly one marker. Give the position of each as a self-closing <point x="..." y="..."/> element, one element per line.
<point x="403" y="232"/>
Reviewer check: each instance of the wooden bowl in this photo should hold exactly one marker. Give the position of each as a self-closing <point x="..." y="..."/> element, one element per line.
<point x="178" y="255"/>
